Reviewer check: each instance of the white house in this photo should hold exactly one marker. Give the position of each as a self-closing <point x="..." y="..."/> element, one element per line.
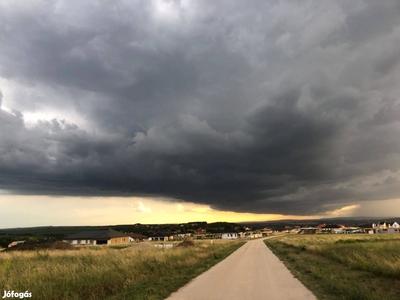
<point x="229" y="236"/>
<point x="250" y="235"/>
<point x="383" y="227"/>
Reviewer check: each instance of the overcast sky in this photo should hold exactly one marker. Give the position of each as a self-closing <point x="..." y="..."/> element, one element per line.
<point x="268" y="107"/>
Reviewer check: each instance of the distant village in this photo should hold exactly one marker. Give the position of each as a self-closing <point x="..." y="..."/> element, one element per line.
<point x="137" y="233"/>
<point x="236" y="232"/>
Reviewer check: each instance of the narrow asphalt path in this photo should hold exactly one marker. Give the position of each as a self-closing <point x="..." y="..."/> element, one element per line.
<point x="252" y="272"/>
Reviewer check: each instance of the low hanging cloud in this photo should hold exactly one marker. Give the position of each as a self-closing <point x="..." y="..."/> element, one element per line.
<point x="274" y="107"/>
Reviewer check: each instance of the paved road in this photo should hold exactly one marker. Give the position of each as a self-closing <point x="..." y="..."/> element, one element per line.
<point x="252" y="272"/>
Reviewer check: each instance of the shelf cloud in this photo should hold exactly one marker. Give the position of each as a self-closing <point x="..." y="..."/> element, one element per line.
<point x="276" y="107"/>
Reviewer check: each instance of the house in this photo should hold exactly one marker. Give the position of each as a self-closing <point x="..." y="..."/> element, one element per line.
<point x="332" y="228"/>
<point x="98" y="237"/>
<point x="367" y="228"/>
<point x="351" y="229"/>
<point x="229" y="235"/>
<point x="135" y="237"/>
<point x="161" y="236"/>
<point x="250" y="235"/>
<point x="265" y="231"/>
<point x="395" y="225"/>
<point x="182" y="236"/>
<point x="383" y="227"/>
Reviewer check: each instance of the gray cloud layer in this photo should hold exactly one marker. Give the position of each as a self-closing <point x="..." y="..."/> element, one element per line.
<point x="278" y="107"/>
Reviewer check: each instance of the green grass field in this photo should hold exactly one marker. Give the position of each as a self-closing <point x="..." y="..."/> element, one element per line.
<point x="343" y="266"/>
<point x="107" y="273"/>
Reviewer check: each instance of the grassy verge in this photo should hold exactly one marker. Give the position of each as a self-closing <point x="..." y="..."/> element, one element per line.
<point x="106" y="273"/>
<point x="343" y="266"/>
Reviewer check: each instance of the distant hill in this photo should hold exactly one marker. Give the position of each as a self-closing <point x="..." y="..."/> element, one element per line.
<point x="58" y="232"/>
<point x="349" y="221"/>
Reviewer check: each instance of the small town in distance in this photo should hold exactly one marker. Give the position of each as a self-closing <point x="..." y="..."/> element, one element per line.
<point x="170" y="235"/>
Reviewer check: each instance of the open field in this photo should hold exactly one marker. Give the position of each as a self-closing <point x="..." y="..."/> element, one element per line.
<point x="343" y="266"/>
<point x="107" y="273"/>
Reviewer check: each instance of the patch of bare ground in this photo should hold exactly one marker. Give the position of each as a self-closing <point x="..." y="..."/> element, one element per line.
<point x="42" y="246"/>
<point x="186" y="244"/>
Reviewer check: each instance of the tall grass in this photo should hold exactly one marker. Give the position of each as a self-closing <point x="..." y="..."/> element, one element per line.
<point x="378" y="254"/>
<point x="98" y="273"/>
<point x="344" y="266"/>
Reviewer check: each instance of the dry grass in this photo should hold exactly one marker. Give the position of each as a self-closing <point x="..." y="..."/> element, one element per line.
<point x="99" y="272"/>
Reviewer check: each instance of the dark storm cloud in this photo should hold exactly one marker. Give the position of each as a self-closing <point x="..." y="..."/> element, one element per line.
<point x="273" y="108"/>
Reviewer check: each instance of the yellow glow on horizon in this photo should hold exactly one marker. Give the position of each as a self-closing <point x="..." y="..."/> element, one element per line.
<point x="25" y="211"/>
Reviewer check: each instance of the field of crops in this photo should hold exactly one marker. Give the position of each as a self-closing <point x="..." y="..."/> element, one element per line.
<point x="337" y="266"/>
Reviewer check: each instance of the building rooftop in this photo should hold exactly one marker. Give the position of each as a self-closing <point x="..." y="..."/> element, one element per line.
<point x="96" y="234"/>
